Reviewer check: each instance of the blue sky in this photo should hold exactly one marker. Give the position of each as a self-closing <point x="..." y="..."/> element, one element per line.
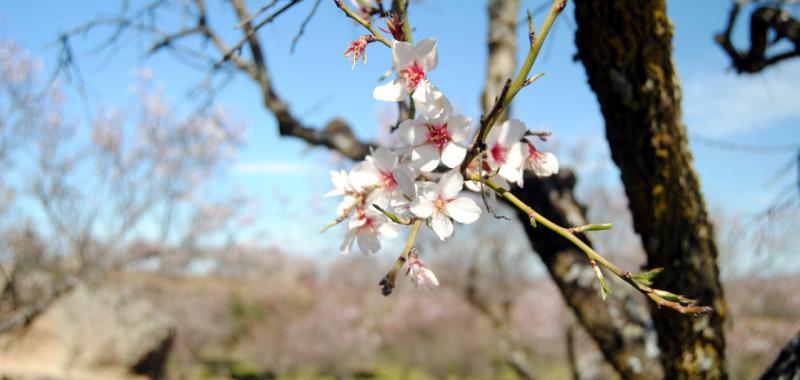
<point x="317" y="81"/>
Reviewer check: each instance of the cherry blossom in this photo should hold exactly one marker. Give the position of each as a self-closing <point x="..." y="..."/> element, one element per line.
<point x="440" y="202"/>
<point x="419" y="274"/>
<point x="504" y="151"/>
<point x="435" y="137"/>
<point x="412" y="63"/>
<point x="366" y="229"/>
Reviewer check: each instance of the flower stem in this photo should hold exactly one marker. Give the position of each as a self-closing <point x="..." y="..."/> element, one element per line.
<point x="353" y="15"/>
<point x="660" y="297"/>
<point x="388" y="282"/>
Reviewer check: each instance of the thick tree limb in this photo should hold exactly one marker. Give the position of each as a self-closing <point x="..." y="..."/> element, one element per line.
<point x="787" y="365"/>
<point x="630" y="69"/>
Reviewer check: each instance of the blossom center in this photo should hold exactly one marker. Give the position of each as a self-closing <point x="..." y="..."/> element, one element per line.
<point x="438" y="135"/>
<point x="499" y="153"/>
<point x="388" y="181"/>
<point x="413" y="74"/>
<point x="439" y="204"/>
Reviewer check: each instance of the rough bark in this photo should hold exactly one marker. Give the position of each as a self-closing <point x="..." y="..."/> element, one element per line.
<point x="626" y="48"/>
<point x="620" y="325"/>
<point x="621" y="336"/>
<point x="787" y="365"/>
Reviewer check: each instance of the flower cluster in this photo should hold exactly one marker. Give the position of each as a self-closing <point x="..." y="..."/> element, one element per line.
<point x="421" y="178"/>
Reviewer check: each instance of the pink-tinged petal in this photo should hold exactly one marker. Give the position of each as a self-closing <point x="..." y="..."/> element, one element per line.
<point x="463" y="210"/>
<point x="402" y="54"/>
<point x="422" y="207"/>
<point x="355" y="223"/>
<point x="510" y="173"/>
<point x="546" y="164"/>
<point x="393" y="91"/>
<point x="384" y="160"/>
<point x="404" y="178"/>
<point x="450" y="184"/>
<point x="427" y="53"/>
<point x="453" y="154"/>
<point x="430" y="278"/>
<point x="458" y="125"/>
<point x="442" y="226"/>
<point x="425" y="158"/>
<point x="368" y="243"/>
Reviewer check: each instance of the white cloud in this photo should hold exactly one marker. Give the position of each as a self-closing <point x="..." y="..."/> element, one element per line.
<point x="722" y="103"/>
<point x="270" y="167"/>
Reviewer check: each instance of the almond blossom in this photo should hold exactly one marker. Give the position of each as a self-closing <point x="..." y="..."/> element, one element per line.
<point x="420" y="274"/>
<point x="504" y="150"/>
<point x="343" y="186"/>
<point x="543" y="164"/>
<point x="366" y="229"/>
<point x="440" y="202"/>
<point x="435" y="136"/>
<point x="412" y="63"/>
<point x="378" y="171"/>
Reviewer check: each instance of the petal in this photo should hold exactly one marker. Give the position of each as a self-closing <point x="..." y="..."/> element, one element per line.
<point x="450" y="184"/>
<point x="347" y="244"/>
<point x="402" y="54"/>
<point x="368" y="243"/>
<point x="516" y="155"/>
<point x="431" y="103"/>
<point x="365" y="174"/>
<point x="427" y="53"/>
<point x="384" y="160"/>
<point x="425" y="158"/>
<point x="458" y="126"/>
<point x="422" y="207"/>
<point x="411" y="132"/>
<point x="510" y="173"/>
<point x="403" y="176"/>
<point x="463" y="210"/>
<point x="345" y="204"/>
<point x="393" y="91"/>
<point x="453" y="154"/>
<point x="515" y="131"/>
<point x="442" y="226"/>
<point x="546" y="165"/>
<point x="430" y="278"/>
<point x="388" y="230"/>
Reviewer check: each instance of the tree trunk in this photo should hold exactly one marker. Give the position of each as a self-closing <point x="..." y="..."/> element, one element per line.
<point x="626" y="48"/>
<point x="620" y="335"/>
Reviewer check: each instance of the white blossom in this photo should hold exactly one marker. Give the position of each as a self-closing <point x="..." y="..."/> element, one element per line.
<point x="412" y="64"/>
<point x="366" y="229"/>
<point x="440" y="202"/>
<point x="436" y="136"/>
<point x="378" y="171"/>
<point x="543" y="164"/>
<point x="420" y="274"/>
<point x="504" y="150"/>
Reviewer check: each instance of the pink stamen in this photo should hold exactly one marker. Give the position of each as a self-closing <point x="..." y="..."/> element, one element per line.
<point x="388" y="180"/>
<point x="438" y="136"/>
<point x="413" y="74"/>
